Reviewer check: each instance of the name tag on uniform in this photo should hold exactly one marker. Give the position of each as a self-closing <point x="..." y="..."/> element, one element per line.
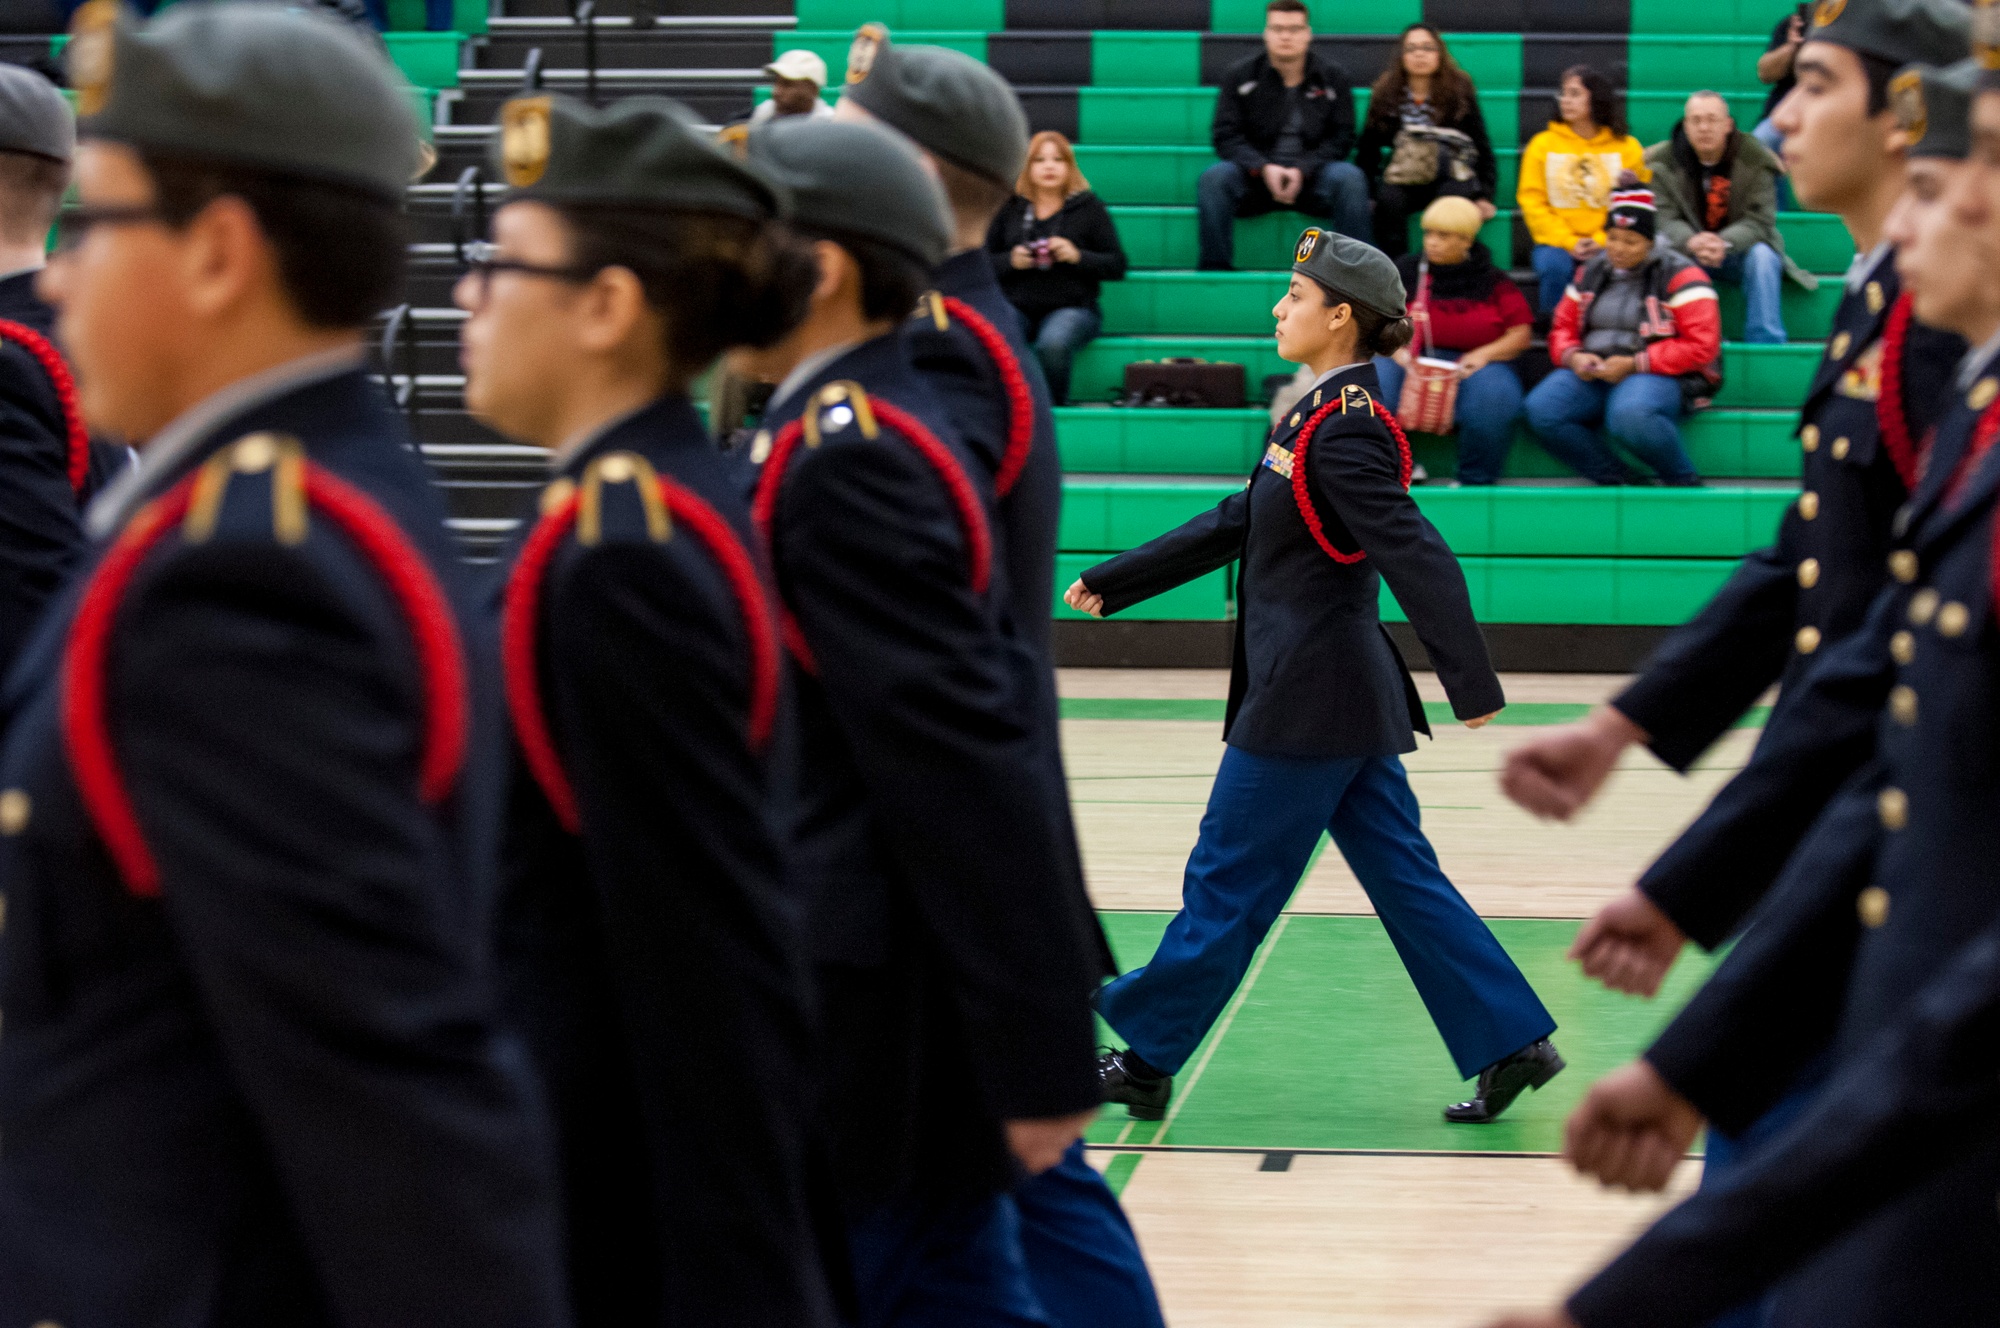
<point x="1862" y="380"/>
<point x="1278" y="459"/>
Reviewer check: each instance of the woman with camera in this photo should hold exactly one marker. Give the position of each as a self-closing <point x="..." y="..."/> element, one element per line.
<point x="1424" y="113"/>
<point x="1053" y="246"/>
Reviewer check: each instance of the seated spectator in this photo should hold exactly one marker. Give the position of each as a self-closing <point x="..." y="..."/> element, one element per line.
<point x="1637" y="342"/>
<point x="1467" y="310"/>
<point x="1422" y="92"/>
<point x="1718" y="200"/>
<point x="1053" y="246"/>
<point x="1567" y="172"/>
<point x="1284" y="124"/>
<point x="797" y="79"/>
<point x="1775" y="67"/>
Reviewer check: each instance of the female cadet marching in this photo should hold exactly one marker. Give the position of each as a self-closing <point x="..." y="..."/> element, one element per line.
<point x="1320" y="707"/>
<point x="648" y="949"/>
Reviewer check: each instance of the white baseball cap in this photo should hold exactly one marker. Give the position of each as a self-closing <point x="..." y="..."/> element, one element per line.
<point x="799" y="65"/>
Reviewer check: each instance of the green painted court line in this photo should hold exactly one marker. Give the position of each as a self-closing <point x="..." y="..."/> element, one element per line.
<point x="1438" y="712"/>
<point x="1118" y="1172"/>
<point x="1337" y="1052"/>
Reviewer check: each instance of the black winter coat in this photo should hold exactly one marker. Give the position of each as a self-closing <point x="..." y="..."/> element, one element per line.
<point x="1250" y="114"/>
<point x="1035" y="291"/>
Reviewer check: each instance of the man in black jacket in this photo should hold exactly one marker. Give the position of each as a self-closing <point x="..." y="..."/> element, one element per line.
<point x="1284" y="126"/>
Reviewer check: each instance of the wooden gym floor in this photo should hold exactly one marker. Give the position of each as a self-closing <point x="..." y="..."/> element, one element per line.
<point x="1303" y="1175"/>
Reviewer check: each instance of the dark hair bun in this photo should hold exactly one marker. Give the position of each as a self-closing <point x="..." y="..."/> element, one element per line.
<point x="1392" y="336"/>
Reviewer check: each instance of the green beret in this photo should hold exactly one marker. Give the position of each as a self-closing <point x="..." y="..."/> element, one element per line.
<point x="642" y="150"/>
<point x="950" y="104"/>
<point x="1932" y="32"/>
<point x="1934" y="107"/>
<point x="1359" y="273"/>
<point x="259" y="85"/>
<point x="34" y="117"/>
<point x="855" y="179"/>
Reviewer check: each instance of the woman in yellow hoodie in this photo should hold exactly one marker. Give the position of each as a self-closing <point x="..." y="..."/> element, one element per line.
<point x="1566" y="176"/>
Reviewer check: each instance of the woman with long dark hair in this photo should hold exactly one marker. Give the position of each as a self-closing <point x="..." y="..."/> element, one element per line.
<point x="1423" y="112"/>
<point x="1567" y="174"/>
<point x="1321" y="707"/>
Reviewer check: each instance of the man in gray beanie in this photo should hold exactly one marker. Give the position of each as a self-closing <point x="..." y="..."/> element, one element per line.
<point x="956" y="953"/>
<point x="254" y="771"/>
<point x="969" y="125"/>
<point x="48" y="467"/>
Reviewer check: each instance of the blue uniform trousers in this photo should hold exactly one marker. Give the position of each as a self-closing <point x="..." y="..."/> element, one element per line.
<point x="1264" y="818"/>
<point x="1083" y="1259"/>
<point x="944" y="1263"/>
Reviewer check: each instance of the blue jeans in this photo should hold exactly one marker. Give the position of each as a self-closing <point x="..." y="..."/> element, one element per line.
<point x="1057" y="336"/>
<point x="1337" y="193"/>
<point x="1761" y="273"/>
<point x="1265" y="816"/>
<point x="1082" y="1257"/>
<point x="942" y="1263"/>
<point x="1554" y="267"/>
<point x="1489" y="401"/>
<point x="1767" y="134"/>
<point x="1566" y="411"/>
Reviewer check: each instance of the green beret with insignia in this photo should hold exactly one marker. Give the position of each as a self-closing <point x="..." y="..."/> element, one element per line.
<point x="1357" y="272"/>
<point x="950" y="104"/>
<point x="34" y="117"/>
<point x="855" y="179"/>
<point x="644" y="151"/>
<point x="1934" y="108"/>
<point x="257" y="85"/>
<point x="1932" y="32"/>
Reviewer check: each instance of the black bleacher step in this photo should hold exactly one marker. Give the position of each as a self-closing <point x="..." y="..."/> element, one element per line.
<point x="624" y="48"/>
<point x="715" y="96"/>
<point x="1525" y="16"/>
<point x="1109" y="15"/>
<point x="766" y="9"/>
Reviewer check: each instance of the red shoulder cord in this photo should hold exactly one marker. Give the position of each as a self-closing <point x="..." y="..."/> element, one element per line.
<point x="86" y="724"/>
<point x="520" y="619"/>
<point x="1303" y="496"/>
<point x="57" y="368"/>
<point x="1020" y="399"/>
<point x="1890" y="422"/>
<point x="971" y="515"/>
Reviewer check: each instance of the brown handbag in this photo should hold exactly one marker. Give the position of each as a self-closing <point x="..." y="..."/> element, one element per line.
<point x="1429" y="401"/>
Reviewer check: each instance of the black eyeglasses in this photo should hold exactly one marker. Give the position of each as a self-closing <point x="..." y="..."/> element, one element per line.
<point x="482" y="261"/>
<point x="74" y="224"/>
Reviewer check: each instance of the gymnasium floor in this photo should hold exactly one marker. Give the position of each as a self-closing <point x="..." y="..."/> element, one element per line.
<point x="1303" y="1175"/>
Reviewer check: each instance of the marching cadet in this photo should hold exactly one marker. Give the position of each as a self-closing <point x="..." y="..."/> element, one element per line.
<point x="1861" y="430"/>
<point x="968" y="347"/>
<point x="1324" y="518"/>
<point x="48" y="467"/>
<point x="250" y="787"/>
<point x="647" y="943"/>
<point x="1875" y="1207"/>
<point x="955" y="958"/>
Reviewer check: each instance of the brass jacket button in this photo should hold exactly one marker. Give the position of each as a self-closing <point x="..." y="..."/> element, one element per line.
<point x="1902" y="647"/>
<point x="1808" y="505"/>
<point x="15" y="809"/>
<point x="1840" y="446"/>
<point x="1809" y="438"/>
<point x="1893" y="806"/>
<point x="1873" y="906"/>
<point x="1903" y="566"/>
<point x="1807" y="640"/>
<point x="1809" y="573"/>
<point x="1903" y="704"/>
<point x="1953" y="619"/>
<point x="1923" y="605"/>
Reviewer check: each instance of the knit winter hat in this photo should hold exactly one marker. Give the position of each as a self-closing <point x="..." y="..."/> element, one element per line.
<point x="1632" y="207"/>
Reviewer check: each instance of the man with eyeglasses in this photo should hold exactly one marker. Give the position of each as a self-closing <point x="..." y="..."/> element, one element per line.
<point x="251" y="784"/>
<point x="49" y="469"/>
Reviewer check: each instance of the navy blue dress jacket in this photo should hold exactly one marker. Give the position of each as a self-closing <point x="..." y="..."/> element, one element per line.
<point x="1813" y="587"/>
<point x="956" y="955"/>
<point x="1877" y="948"/>
<point x="649" y="947"/>
<point x="250" y="1072"/>
<point x="1315" y="673"/>
<point x="41" y="502"/>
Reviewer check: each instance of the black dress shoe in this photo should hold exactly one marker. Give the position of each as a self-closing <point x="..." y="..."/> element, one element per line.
<point x="1144" y="1095"/>
<point x="1503" y="1081"/>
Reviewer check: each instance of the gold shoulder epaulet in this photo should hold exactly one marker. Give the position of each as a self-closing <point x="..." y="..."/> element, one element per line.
<point x="1354" y="399"/>
<point x="281" y="456"/>
<point x="616" y="469"/>
<point x="836" y="407"/>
